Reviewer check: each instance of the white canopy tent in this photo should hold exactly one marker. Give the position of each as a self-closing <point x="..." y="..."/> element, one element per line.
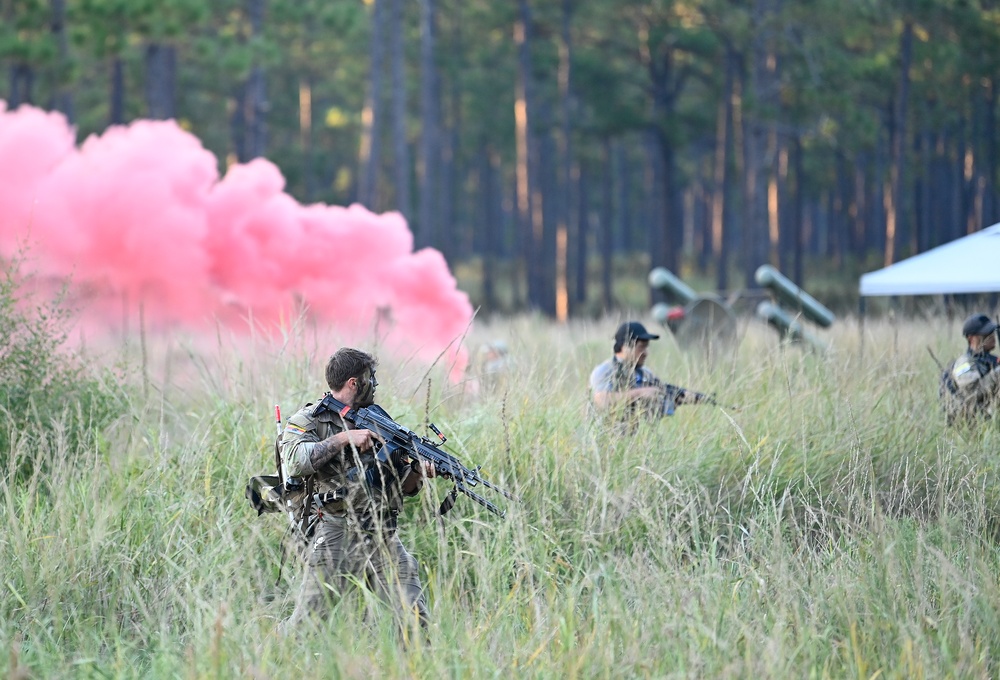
<point x="970" y="264"/>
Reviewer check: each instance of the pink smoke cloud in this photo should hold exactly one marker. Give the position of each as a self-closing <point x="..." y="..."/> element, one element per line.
<point x="139" y="214"/>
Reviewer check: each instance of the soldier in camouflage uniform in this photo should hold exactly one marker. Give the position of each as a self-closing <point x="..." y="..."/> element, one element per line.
<point x="971" y="384"/>
<point x="354" y="517"/>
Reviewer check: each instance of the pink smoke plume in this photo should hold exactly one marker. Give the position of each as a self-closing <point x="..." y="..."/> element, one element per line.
<point x="139" y="213"/>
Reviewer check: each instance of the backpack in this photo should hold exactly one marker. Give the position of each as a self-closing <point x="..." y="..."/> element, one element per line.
<point x="948" y="394"/>
<point x="948" y="385"/>
<point x="273" y="493"/>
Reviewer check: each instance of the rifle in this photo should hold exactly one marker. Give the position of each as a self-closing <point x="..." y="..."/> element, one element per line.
<point x="399" y="443"/>
<point x="674" y="393"/>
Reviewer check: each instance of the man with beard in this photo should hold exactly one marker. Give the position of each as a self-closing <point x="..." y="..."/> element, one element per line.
<point x="623" y="386"/>
<point x="355" y="499"/>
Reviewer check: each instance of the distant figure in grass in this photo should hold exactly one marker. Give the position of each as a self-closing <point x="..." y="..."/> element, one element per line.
<point x="353" y="523"/>
<point x="970" y="386"/>
<point x="492" y="364"/>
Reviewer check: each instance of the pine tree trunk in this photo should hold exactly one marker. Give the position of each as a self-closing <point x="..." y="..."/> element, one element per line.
<point x="656" y="205"/>
<point x="401" y="147"/>
<point x="22" y="82"/>
<point x="371" y="116"/>
<point x="62" y="98"/>
<point x="581" y="235"/>
<point x="429" y="116"/>
<point x="161" y="81"/>
<point x="607" y="229"/>
<point x="565" y="222"/>
<point x="990" y="208"/>
<point x="720" y="204"/>
<point x="448" y="239"/>
<point x="489" y="162"/>
<point x="117" y="106"/>
<point x="755" y="138"/>
<point x="798" y="217"/>
<point x="256" y="92"/>
<point x="306" y="139"/>
<point x="893" y="192"/>
<point x="529" y="206"/>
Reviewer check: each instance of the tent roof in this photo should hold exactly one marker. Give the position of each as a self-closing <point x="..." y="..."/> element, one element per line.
<point x="970" y="264"/>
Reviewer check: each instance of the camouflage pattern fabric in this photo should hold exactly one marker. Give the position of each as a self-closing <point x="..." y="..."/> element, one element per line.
<point x="355" y="539"/>
<point x="342" y="553"/>
<point x="971" y="388"/>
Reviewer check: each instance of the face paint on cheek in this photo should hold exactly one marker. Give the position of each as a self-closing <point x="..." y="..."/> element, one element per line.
<point x="366" y="390"/>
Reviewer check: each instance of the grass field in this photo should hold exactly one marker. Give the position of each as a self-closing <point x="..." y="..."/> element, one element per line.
<point x="830" y="527"/>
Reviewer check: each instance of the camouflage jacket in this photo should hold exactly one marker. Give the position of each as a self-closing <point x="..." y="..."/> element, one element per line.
<point x="345" y="475"/>
<point x="971" y="385"/>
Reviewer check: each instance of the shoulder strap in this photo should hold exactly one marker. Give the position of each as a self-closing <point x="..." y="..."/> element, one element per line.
<point x="277" y="460"/>
<point x="306" y="506"/>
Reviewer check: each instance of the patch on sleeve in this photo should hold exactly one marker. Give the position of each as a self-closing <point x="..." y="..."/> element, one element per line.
<point x="295" y="429"/>
<point x="961" y="368"/>
<point x="965" y="374"/>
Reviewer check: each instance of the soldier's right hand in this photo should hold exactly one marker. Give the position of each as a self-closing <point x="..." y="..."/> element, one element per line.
<point x="651" y="393"/>
<point x="362" y="440"/>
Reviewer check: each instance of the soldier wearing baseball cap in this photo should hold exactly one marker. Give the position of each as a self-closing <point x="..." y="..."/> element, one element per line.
<point x="970" y="386"/>
<point x="623" y="383"/>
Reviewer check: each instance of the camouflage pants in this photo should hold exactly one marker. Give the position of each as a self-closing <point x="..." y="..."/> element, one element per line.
<point x="340" y="554"/>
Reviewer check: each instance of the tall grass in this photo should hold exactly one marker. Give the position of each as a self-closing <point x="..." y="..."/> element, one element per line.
<point x="831" y="527"/>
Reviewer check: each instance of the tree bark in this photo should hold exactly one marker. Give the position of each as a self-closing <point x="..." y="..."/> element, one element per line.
<point x="656" y="204"/>
<point x="429" y="115"/>
<point x="898" y="137"/>
<point x="720" y="204"/>
<point x="401" y="147"/>
<point x="248" y="125"/>
<point x="448" y="239"/>
<point x="990" y="212"/>
<point x="489" y="162"/>
<point x="564" y="142"/>
<point x="529" y="205"/>
<point x="371" y="116"/>
<point x="117" y="107"/>
<point x="306" y="138"/>
<point x="62" y="98"/>
<point x="161" y="81"/>
<point x="798" y="214"/>
<point x="581" y="235"/>
<point x="546" y="162"/>
<point x="22" y="82"/>
<point x="757" y="170"/>
<point x="607" y="229"/>
<point x="665" y="90"/>
<point x="257" y="90"/>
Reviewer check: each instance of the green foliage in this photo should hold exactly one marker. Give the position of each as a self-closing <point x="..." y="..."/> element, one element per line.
<point x="833" y="527"/>
<point x="50" y="406"/>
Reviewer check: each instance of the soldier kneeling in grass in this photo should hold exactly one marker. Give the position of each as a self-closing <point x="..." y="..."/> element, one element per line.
<point x="970" y="385"/>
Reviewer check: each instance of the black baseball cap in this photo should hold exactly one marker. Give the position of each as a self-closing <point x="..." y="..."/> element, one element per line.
<point x="978" y="324"/>
<point x="632" y="331"/>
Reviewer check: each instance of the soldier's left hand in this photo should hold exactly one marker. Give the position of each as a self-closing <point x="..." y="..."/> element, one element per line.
<point x="427" y="469"/>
